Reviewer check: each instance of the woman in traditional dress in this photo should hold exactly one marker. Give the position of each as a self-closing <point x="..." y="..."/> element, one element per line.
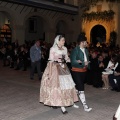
<point x="57" y="86"/>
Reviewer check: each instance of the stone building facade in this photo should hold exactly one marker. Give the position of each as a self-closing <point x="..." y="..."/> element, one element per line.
<point x="28" y="20"/>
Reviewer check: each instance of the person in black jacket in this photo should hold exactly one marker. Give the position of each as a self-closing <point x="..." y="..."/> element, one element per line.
<point x="14" y="58"/>
<point x="96" y="68"/>
<point x="26" y="58"/>
<point x="20" y="58"/>
<point x="106" y="58"/>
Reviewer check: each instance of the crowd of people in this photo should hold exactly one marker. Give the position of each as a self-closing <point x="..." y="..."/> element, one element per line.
<point x="66" y="68"/>
<point x="104" y="63"/>
<point x="17" y="56"/>
<point x="103" y="66"/>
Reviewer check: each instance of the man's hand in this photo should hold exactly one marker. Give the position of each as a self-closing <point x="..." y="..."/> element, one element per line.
<point x="86" y="63"/>
<point x="79" y="61"/>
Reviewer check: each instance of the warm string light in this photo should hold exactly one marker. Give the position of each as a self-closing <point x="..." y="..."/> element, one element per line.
<point x="105" y="16"/>
<point x="87" y="3"/>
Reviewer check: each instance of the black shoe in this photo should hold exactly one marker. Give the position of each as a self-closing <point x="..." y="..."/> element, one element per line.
<point x="17" y="69"/>
<point x="118" y="90"/>
<point x="31" y="78"/>
<point x="65" y="112"/>
<point x="24" y="70"/>
<point x="96" y="86"/>
<point x="54" y="107"/>
<point x="8" y="65"/>
<point x="11" y="67"/>
<point x="112" y="89"/>
<point x="40" y="78"/>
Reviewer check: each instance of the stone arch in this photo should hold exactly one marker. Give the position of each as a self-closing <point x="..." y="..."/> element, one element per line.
<point x="87" y="26"/>
<point x="68" y="31"/>
<point x="47" y="24"/>
<point x="63" y="26"/>
<point x="98" y="34"/>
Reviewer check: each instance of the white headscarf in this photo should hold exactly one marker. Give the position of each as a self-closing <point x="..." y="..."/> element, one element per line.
<point x="56" y="40"/>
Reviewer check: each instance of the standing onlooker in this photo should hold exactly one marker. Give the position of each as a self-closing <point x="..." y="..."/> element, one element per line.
<point x="35" y="56"/>
<point x="20" y="58"/>
<point x="96" y="68"/>
<point x="26" y="57"/>
<point x="15" y="44"/>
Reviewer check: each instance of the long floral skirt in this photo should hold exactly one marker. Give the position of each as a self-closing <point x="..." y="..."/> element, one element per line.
<point x="57" y="86"/>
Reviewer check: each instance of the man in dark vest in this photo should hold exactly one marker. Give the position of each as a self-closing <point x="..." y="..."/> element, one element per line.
<point x="79" y="62"/>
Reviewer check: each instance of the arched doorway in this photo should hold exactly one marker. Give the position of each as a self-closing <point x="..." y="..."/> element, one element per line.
<point x="35" y="28"/>
<point x="98" y="34"/>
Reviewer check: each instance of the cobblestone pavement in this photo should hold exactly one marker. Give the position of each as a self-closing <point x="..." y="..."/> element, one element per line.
<point x="19" y="100"/>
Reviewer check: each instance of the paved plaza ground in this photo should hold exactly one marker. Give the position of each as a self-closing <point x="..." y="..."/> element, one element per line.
<point x="19" y="100"/>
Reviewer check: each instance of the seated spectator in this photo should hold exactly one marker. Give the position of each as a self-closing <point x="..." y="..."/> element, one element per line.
<point x="109" y="70"/>
<point x="114" y="79"/>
